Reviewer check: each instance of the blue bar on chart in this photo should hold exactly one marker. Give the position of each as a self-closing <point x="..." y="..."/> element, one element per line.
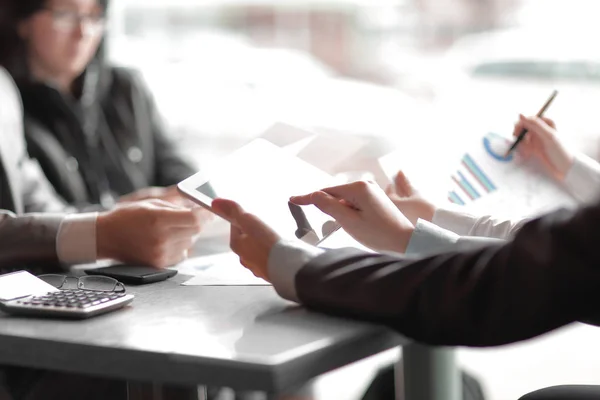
<point x="455" y="198"/>
<point x="481" y="177"/>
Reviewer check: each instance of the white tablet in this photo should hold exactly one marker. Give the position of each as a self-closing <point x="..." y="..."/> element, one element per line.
<point x="262" y="177"/>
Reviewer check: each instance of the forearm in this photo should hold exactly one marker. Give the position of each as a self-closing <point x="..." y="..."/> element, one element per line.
<point x="46" y="239"/>
<point x="29" y="239"/>
<point x="545" y="278"/>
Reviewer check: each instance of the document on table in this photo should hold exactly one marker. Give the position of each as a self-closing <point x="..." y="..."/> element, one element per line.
<point x="20" y="284"/>
<point x="324" y="150"/>
<point x="425" y="165"/>
<point x="218" y="270"/>
<point x="481" y="179"/>
<point x="487" y="182"/>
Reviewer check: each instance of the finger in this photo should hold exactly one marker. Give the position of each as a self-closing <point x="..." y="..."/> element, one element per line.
<point x="250" y="267"/>
<point x="403" y="186"/>
<point x="303" y="200"/>
<point x="390" y="190"/>
<point x="228" y="209"/>
<point x="181" y="218"/>
<point x="179" y="258"/>
<point x="536" y="126"/>
<point x="183" y="232"/>
<point x="178" y="251"/>
<point x="549" y="122"/>
<point x="350" y="192"/>
<point x="160" y="203"/>
<point x="526" y="148"/>
<point x="518" y="128"/>
<point x="330" y="205"/>
<point x="235" y="239"/>
<point x="254" y="227"/>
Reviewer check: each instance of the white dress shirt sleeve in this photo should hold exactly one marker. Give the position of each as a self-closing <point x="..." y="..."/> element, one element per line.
<point x="466" y="224"/>
<point x="289" y="256"/>
<point x="285" y="260"/>
<point x="76" y="239"/>
<point x="583" y="179"/>
<point x="429" y="239"/>
<point x="582" y="182"/>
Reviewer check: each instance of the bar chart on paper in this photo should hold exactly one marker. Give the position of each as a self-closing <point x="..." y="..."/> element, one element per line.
<point x="471" y="181"/>
<point x="488" y="181"/>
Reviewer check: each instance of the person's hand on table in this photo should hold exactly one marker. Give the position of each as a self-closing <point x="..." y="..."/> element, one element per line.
<point x="251" y="239"/>
<point x="409" y="201"/>
<point x="153" y="232"/>
<point x="541" y="141"/>
<point x="169" y="194"/>
<point x="364" y="211"/>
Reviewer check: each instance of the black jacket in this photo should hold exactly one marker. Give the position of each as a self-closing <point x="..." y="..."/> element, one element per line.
<point x="110" y="140"/>
<point x="548" y="276"/>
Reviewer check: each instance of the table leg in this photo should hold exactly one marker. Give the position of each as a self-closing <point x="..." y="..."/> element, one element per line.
<point x="428" y="373"/>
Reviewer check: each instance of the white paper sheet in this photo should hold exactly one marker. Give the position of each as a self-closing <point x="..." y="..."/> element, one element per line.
<point x="218" y="270"/>
<point x="22" y="284"/>
<point x="329" y="150"/>
<point x="487" y="183"/>
<point x="285" y="135"/>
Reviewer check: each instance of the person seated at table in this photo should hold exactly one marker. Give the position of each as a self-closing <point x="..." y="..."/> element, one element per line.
<point x="577" y="173"/>
<point x="94" y="128"/>
<point x="40" y="233"/>
<point x="474" y="292"/>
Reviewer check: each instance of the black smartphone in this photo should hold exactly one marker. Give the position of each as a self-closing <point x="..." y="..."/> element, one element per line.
<point x="133" y="274"/>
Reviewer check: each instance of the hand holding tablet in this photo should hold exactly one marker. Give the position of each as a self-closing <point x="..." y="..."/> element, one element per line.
<point x="262" y="177"/>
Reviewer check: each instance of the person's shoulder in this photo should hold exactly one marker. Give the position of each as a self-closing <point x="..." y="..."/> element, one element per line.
<point x="8" y="87"/>
<point x="124" y="76"/>
<point x="5" y="77"/>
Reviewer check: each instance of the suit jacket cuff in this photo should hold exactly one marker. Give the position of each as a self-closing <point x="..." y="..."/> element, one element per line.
<point x="76" y="240"/>
<point x="285" y="260"/>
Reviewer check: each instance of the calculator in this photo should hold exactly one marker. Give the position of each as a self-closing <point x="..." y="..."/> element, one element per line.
<point x="69" y="303"/>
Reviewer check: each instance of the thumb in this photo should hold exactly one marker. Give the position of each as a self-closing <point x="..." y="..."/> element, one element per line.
<point x="228" y="209"/>
<point x="403" y="186"/>
<point x="246" y="222"/>
<point x="253" y="226"/>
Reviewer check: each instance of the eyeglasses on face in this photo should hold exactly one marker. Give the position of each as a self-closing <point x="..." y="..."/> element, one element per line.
<point x="69" y="20"/>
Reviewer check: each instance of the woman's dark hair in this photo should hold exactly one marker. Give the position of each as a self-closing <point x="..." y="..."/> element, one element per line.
<point x="26" y="8"/>
<point x="13" y="51"/>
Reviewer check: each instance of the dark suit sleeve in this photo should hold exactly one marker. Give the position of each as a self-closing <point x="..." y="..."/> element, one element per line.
<point x="548" y="276"/>
<point x="171" y="165"/>
<point x="28" y="240"/>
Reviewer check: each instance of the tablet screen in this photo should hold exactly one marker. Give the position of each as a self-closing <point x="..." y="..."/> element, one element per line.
<point x="262" y="177"/>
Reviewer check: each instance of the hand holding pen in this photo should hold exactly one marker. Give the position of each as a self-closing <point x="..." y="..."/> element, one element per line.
<point x="542" y="143"/>
<point x="523" y="131"/>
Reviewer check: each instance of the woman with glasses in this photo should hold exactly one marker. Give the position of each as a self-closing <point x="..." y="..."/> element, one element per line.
<point x="93" y="128"/>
